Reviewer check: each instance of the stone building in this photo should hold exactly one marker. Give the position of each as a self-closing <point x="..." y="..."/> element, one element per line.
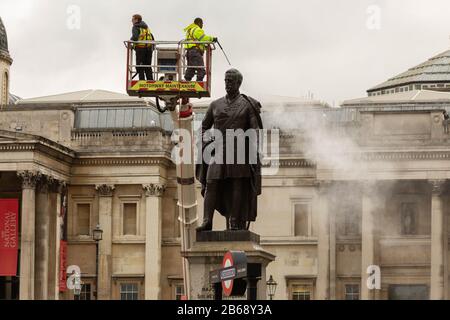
<point x="356" y="186"/>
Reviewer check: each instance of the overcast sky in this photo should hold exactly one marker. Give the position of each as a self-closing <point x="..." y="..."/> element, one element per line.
<point x="335" y="49"/>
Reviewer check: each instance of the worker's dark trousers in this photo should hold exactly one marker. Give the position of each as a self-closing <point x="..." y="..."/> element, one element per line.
<point x="195" y="58"/>
<point x="144" y="57"/>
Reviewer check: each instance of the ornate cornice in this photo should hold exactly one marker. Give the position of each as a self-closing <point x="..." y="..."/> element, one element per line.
<point x="29" y="178"/>
<point x="154" y="190"/>
<point x="406" y="155"/>
<point x="54" y="151"/>
<point x="17" y="147"/>
<point x="286" y="163"/>
<point x="122" y="161"/>
<point x="105" y="190"/>
<point x="437" y="186"/>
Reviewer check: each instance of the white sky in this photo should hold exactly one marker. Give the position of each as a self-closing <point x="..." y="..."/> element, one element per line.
<point x="284" y="47"/>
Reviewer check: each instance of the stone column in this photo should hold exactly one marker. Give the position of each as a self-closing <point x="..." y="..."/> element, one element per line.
<point x="27" y="244"/>
<point x="332" y="241"/>
<point x="153" y="231"/>
<point x="42" y="238"/>
<point x="438" y="239"/>
<point x="105" y="193"/>
<point x="323" y="246"/>
<point x="55" y="189"/>
<point x="367" y="236"/>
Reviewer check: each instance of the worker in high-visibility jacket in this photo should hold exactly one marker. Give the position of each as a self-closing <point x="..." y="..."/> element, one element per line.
<point x="144" y="51"/>
<point x="194" y="55"/>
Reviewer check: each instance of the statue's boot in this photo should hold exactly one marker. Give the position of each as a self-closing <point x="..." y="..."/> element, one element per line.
<point x="206" y="226"/>
<point x="207" y="223"/>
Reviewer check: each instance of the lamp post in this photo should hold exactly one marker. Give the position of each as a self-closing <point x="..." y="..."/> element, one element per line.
<point x="97" y="235"/>
<point x="77" y="288"/>
<point x="272" y="287"/>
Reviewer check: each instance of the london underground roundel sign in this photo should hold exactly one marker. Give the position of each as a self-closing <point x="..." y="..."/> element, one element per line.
<point x="231" y="265"/>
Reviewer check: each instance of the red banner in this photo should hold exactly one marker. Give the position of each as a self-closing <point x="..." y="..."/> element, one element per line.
<point x="9" y="236"/>
<point x="62" y="266"/>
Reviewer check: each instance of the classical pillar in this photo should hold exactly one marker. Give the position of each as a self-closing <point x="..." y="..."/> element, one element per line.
<point x="105" y="193"/>
<point x="42" y="238"/>
<point x="438" y="239"/>
<point x="332" y="241"/>
<point x="29" y="180"/>
<point x="55" y="189"/>
<point x="153" y="231"/>
<point x="323" y="246"/>
<point x="367" y="237"/>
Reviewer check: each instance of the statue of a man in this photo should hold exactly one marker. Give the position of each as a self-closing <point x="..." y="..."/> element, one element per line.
<point x="231" y="177"/>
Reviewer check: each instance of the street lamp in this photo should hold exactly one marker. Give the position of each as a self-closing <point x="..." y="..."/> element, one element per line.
<point x="271" y="286"/>
<point x="77" y="286"/>
<point x="97" y="235"/>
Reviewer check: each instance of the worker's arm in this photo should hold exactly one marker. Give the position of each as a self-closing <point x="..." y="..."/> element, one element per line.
<point x="135" y="34"/>
<point x="200" y="35"/>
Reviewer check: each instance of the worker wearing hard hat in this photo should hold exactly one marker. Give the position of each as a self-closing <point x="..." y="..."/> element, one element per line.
<point x="144" y="51"/>
<point x="194" y="32"/>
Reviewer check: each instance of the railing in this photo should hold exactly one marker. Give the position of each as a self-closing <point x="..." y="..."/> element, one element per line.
<point x="168" y="66"/>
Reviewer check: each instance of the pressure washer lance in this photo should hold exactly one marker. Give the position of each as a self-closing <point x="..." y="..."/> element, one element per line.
<point x="224" y="52"/>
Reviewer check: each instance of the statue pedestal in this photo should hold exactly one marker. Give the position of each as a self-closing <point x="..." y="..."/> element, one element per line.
<point x="207" y="254"/>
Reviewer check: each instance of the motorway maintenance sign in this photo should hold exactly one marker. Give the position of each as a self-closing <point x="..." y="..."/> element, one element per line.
<point x="142" y="85"/>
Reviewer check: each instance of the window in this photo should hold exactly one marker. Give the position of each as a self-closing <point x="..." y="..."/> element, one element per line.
<point x="129" y="291"/>
<point x="408" y="212"/>
<point x="301" y="292"/>
<point x="179" y="291"/>
<point x="129" y="218"/>
<point x="301" y="219"/>
<point x="83" y="219"/>
<point x="352" y="292"/>
<point x="85" y="293"/>
<point x="176" y="224"/>
<point x="408" y="292"/>
<point x="348" y="218"/>
<point x="351" y="223"/>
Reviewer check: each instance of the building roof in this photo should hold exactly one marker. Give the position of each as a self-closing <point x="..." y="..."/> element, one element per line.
<point x="421" y="96"/>
<point x="273" y="101"/>
<point x="3" y="37"/>
<point x="122" y="118"/>
<point x="84" y="96"/>
<point x="434" y="70"/>
<point x="13" y="99"/>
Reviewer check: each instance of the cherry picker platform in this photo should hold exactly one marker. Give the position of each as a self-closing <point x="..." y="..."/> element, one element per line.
<point x="168" y="65"/>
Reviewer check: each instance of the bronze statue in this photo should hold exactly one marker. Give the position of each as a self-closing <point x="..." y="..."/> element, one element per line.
<point x="231" y="178"/>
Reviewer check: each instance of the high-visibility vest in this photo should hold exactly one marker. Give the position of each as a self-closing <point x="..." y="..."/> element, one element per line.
<point x="195" y="33"/>
<point x="144" y="35"/>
